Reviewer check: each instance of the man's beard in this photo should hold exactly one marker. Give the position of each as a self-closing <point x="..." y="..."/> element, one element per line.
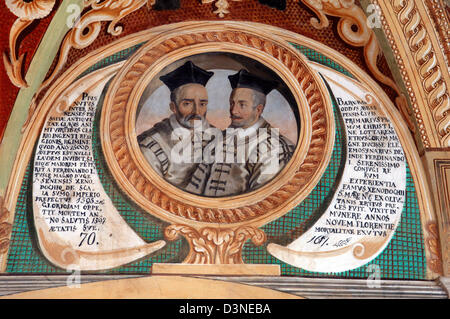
<point x="185" y="121"/>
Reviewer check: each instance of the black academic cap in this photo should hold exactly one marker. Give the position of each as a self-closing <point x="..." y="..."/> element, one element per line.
<point x="243" y="79"/>
<point x="187" y="73"/>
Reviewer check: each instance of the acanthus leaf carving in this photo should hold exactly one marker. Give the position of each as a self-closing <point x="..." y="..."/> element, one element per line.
<point x="215" y="246"/>
<point x="14" y="64"/>
<point x="435" y="260"/>
<point x="321" y="7"/>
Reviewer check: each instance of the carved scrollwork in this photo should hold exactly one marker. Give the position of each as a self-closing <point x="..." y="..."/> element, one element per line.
<point x="354" y="30"/>
<point x="323" y="7"/>
<point x="87" y="29"/>
<point x="137" y="185"/>
<point x="27" y="12"/>
<point x="221" y="5"/>
<point x="427" y="65"/>
<point x="213" y="245"/>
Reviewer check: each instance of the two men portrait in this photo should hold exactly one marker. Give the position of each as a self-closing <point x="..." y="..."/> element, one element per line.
<point x="190" y="153"/>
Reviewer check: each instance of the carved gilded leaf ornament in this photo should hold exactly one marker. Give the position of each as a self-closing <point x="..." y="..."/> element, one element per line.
<point x="86" y="30"/>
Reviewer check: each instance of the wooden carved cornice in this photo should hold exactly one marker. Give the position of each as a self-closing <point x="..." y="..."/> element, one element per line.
<point x="435" y="260"/>
<point x="215" y="246"/>
<point x="351" y="16"/>
<point x="120" y="154"/>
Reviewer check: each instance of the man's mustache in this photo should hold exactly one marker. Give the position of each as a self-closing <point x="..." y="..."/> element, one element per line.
<point x="234" y="117"/>
<point x="193" y="117"/>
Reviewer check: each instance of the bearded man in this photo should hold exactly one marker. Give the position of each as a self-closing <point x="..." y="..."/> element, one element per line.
<point x="161" y="144"/>
<point x="254" y="151"/>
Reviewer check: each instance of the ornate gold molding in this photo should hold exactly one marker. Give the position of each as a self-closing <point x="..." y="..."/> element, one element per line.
<point x="215" y="245"/>
<point x="442" y="176"/>
<point x="439" y="12"/>
<point x="352" y="16"/>
<point x="428" y="213"/>
<point x="27" y="12"/>
<point x="221" y="5"/>
<point x="422" y="66"/>
<point x="86" y="30"/>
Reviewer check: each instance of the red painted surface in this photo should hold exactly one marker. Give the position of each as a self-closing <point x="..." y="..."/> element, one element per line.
<point x="7" y="90"/>
<point x="28" y="43"/>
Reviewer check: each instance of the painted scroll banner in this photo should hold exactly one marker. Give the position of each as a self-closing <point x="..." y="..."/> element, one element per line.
<point x="367" y="204"/>
<point x="76" y="223"/>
